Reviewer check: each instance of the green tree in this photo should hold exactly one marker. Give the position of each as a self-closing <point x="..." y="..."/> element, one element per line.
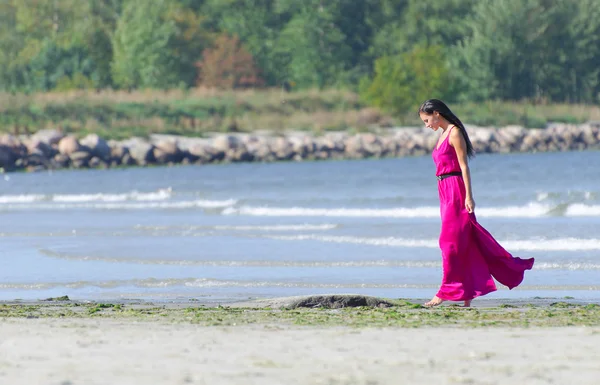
<point x="402" y="82"/>
<point x="257" y="23"/>
<point x="34" y="31"/>
<point x="531" y="49"/>
<point x="54" y="65"/>
<point x="12" y="69"/>
<point x="312" y="46"/>
<point x="156" y="45"/>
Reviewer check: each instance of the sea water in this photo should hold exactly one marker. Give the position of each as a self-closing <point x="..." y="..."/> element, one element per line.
<point x="229" y="232"/>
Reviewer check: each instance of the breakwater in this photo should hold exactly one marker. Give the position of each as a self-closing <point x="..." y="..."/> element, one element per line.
<point x="52" y="149"/>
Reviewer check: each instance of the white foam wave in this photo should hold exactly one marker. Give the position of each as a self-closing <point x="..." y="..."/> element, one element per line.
<point x="528" y="211"/>
<point x="217" y="283"/>
<point x="566" y="265"/>
<point x="206" y="204"/>
<point x="159" y="195"/>
<point x="275" y="228"/>
<point x="581" y="210"/>
<point x="28" y="198"/>
<point x="563" y="244"/>
<point x="532" y="210"/>
<point x="390" y="241"/>
<point x="427" y="212"/>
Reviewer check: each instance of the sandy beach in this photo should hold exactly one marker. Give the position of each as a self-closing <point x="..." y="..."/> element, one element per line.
<point x="74" y="343"/>
<point x="100" y="351"/>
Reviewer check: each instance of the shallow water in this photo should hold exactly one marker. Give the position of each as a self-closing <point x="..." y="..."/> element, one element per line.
<point x="238" y="231"/>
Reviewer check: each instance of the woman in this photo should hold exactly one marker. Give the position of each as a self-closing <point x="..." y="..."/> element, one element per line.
<point x="470" y="255"/>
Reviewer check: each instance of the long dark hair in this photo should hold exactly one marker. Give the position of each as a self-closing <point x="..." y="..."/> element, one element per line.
<point x="432" y="105"/>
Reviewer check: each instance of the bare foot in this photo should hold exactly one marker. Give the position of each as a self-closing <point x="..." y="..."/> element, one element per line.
<point x="435" y="301"/>
<point x="467" y="303"/>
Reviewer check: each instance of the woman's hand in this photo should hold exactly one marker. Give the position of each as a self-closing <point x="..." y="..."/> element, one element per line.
<point x="470" y="205"/>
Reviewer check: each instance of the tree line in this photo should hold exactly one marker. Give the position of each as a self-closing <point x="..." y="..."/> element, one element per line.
<point x="394" y="52"/>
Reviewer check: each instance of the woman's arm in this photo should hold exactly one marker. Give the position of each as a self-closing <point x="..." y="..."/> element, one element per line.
<point x="458" y="142"/>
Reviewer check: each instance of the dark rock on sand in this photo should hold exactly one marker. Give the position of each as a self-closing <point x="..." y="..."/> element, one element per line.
<point x="331" y="301"/>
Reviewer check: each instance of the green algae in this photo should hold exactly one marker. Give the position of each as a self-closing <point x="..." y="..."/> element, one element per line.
<point x="402" y="314"/>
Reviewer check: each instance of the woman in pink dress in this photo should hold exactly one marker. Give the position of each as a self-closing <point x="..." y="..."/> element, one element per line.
<point x="470" y="255"/>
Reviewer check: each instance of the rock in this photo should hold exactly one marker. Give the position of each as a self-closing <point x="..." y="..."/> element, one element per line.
<point x="37" y="159"/>
<point x="49" y="136"/>
<point x="372" y="145"/>
<point x="332" y="301"/>
<point x="260" y="149"/>
<point x="206" y="153"/>
<point x="118" y="153"/>
<point x="8" y="158"/>
<point x="96" y="162"/>
<point x="36" y="146"/>
<point x="68" y="145"/>
<point x="240" y="154"/>
<point x="339" y="301"/>
<point x="283" y="149"/>
<point x="10" y="141"/>
<point x="166" y="151"/>
<point x="140" y="151"/>
<point x="61" y="161"/>
<point x="98" y="146"/>
<point x="226" y="142"/>
<point x="354" y="147"/>
<point x="80" y="159"/>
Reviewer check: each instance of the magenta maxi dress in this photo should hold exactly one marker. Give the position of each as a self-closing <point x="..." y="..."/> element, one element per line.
<point x="470" y="255"/>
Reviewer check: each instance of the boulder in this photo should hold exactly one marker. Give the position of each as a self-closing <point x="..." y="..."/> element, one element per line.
<point x="8" y="158"/>
<point x="49" y="136"/>
<point x="140" y="151"/>
<point x="37" y="146"/>
<point x="226" y="142"/>
<point x="80" y="159"/>
<point x="98" y="146"/>
<point x="68" y="145"/>
<point x="167" y="151"/>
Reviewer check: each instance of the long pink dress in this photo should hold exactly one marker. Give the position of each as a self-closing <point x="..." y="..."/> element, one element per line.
<point x="470" y="255"/>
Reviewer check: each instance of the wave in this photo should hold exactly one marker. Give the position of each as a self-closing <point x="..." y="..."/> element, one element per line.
<point x="581" y="210"/>
<point x="342" y="212"/>
<point x="160" y="195"/>
<point x="21" y="198"/>
<point x="152" y="283"/>
<point x="193" y="283"/>
<point x="562" y="244"/>
<point x="277" y="228"/>
<point x="531" y="210"/>
<point x="201" y="203"/>
<point x="304" y="264"/>
<point x="575" y="196"/>
<point x="272" y="228"/>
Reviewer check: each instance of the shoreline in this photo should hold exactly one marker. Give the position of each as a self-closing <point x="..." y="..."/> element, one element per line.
<point x="279" y="302"/>
<point x="52" y="149"/>
<point x="321" y="310"/>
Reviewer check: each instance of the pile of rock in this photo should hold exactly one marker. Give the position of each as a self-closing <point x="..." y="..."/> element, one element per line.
<point x="53" y="149"/>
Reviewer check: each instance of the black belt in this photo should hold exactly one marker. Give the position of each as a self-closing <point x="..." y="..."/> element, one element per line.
<point x="444" y="176"/>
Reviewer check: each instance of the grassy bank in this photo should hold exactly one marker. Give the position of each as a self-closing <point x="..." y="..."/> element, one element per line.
<point x="402" y="314"/>
<point x="121" y="114"/>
